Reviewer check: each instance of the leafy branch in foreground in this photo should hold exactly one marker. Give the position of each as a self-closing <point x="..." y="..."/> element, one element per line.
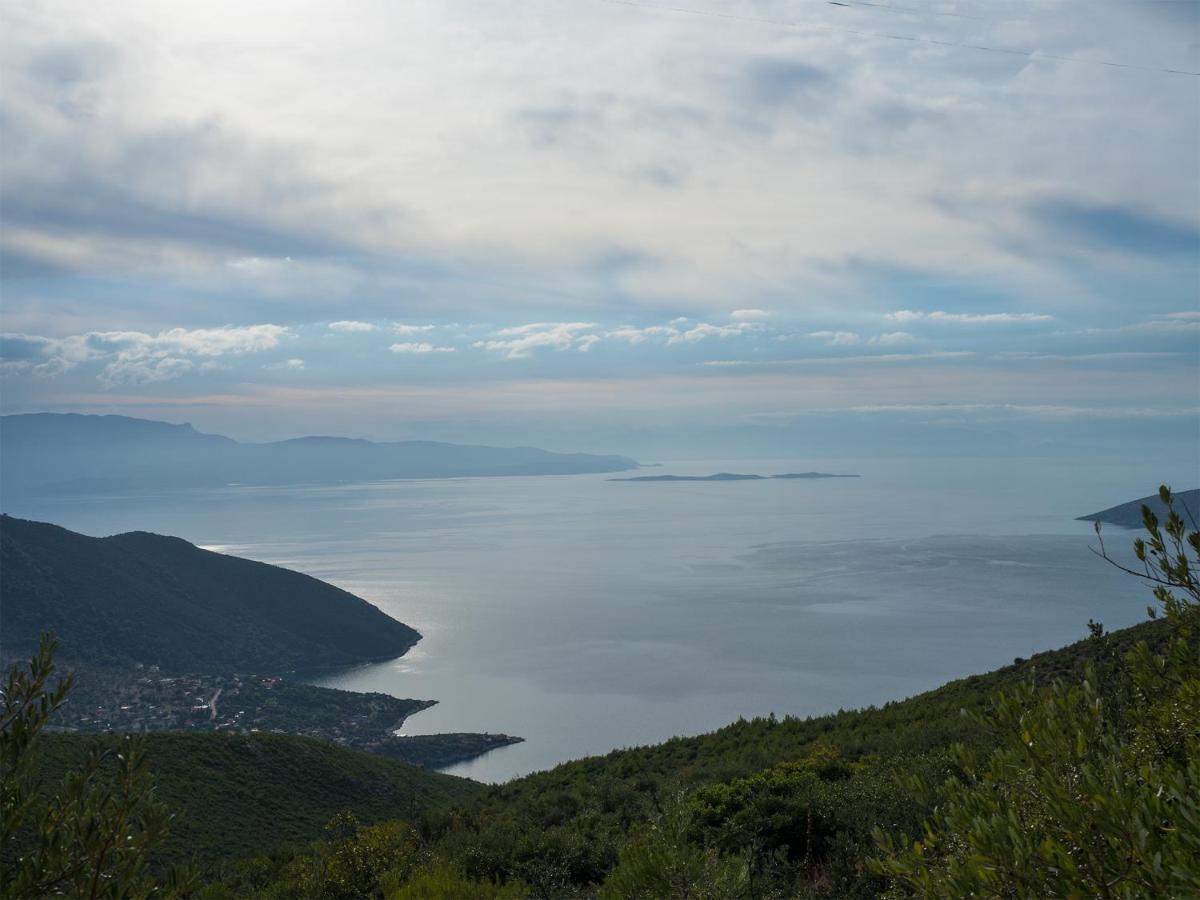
<point x="1094" y="789"/>
<point x="1164" y="558"/>
<point x="90" y="837"/>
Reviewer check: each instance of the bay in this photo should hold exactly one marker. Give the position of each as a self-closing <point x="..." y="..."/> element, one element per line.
<point x="586" y="614"/>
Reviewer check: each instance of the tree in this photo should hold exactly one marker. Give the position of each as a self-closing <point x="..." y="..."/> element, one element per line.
<point x="1093" y="790"/>
<point x="91" y="836"/>
<point x="661" y="862"/>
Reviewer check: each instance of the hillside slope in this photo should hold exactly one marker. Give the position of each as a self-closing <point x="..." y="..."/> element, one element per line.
<point x="818" y="785"/>
<point x="235" y="795"/>
<point x="145" y="598"/>
<point x="919" y="724"/>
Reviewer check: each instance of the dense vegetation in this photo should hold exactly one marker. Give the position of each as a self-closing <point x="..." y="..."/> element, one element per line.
<point x="230" y="792"/>
<point x="145" y="598"/>
<point x="85" y="816"/>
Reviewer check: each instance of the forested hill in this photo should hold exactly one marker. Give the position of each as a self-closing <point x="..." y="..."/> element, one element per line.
<point x="1129" y="515"/>
<point x="49" y="453"/>
<point x="233" y="794"/>
<point x="145" y="598"/>
<point x="803" y="795"/>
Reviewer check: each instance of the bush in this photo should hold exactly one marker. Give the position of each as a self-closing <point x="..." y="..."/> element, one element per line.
<point x="1094" y="790"/>
<point x="91" y="836"/>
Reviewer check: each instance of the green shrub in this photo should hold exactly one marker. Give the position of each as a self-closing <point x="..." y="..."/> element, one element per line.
<point x="1091" y="792"/>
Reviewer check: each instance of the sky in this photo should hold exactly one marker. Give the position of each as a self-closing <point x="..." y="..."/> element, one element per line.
<point x="736" y="228"/>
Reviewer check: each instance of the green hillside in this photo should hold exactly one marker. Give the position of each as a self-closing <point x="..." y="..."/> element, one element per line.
<point x="829" y="781"/>
<point x="236" y="795"/>
<point x="145" y="598"/>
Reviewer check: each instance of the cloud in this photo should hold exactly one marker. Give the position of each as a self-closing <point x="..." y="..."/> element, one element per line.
<point x="105" y="171"/>
<point x="704" y="330"/>
<point x="420" y="347"/>
<point x="773" y="82"/>
<point x="1120" y="228"/>
<point x="836" y="338"/>
<point x="892" y="338"/>
<point x="640" y="335"/>
<point x="293" y="364"/>
<point x="823" y="176"/>
<point x="135" y="357"/>
<point x="1059" y="411"/>
<point x="1174" y="323"/>
<point x="909" y="315"/>
<point x="522" y="340"/>
<point x="843" y="360"/>
<point x="349" y="325"/>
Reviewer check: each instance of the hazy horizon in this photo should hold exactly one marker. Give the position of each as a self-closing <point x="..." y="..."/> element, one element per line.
<point x="752" y="227"/>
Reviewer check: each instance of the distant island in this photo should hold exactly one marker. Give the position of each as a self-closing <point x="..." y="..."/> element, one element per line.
<point x="166" y="636"/>
<point x="732" y="476"/>
<point x="70" y="454"/>
<point x="1129" y="515"/>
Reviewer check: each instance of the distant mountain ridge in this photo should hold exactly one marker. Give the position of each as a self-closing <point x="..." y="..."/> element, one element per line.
<point x="1129" y="515"/>
<point x="145" y="598"/>
<point x="735" y="476"/>
<point x="70" y="453"/>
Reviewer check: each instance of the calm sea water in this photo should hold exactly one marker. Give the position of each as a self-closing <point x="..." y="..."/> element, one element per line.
<point x="585" y="614"/>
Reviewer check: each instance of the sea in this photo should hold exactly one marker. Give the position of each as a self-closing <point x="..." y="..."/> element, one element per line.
<point x="586" y="614"/>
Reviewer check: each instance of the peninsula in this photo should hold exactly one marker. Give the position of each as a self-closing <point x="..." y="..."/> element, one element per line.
<point x="166" y="636"/>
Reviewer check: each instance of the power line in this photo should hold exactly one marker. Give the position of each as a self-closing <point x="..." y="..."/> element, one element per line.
<point x="887" y="7"/>
<point x="883" y="35"/>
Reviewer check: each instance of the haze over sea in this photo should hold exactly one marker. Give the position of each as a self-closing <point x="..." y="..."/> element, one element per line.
<point x="585" y="614"/>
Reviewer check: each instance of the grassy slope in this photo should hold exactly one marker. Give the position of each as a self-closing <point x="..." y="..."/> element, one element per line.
<point x="237" y="795"/>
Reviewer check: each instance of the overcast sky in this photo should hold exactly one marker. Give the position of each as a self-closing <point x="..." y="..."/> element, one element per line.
<point x="607" y="225"/>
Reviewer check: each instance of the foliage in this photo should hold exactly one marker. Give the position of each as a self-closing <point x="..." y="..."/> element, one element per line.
<point x="770" y="810"/>
<point x="661" y="862"/>
<point x="245" y="795"/>
<point x="566" y="832"/>
<point x="442" y="880"/>
<point x="1090" y="792"/>
<point x="92" y="836"/>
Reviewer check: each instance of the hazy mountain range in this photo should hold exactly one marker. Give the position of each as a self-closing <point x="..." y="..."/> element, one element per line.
<point x="50" y="453"/>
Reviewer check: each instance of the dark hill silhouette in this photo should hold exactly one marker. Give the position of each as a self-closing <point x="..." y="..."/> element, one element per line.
<point x="1129" y="515"/>
<point x="145" y="598"/>
<point x="50" y="453"/>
